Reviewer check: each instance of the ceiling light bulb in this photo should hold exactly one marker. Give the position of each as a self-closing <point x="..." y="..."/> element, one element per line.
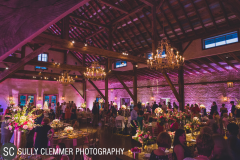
<point x="73" y="41"/>
<point x="6" y="67"/>
<point x="85" y="44"/>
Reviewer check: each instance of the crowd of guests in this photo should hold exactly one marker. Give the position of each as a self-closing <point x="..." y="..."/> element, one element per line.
<point x="209" y="146"/>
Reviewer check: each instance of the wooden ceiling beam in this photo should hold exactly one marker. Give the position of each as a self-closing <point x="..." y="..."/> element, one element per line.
<point x="224" y="12"/>
<point x="169" y="24"/>
<point x="210" y="13"/>
<point x="112" y="5"/>
<point x="81" y="27"/>
<point x="147" y="3"/>
<point x="59" y="43"/>
<point x="91" y="82"/>
<point x="229" y="63"/>
<point x="200" y="66"/>
<point x="209" y="65"/>
<point x="235" y="57"/>
<point x="176" y="18"/>
<point x="199" y="17"/>
<point x="232" y="6"/>
<point x="89" y="21"/>
<point x="125" y="86"/>
<point x="23" y="61"/>
<point x="185" y="14"/>
<point x="214" y="61"/>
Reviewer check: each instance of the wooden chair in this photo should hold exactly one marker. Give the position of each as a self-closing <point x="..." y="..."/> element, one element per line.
<point x="119" y="126"/>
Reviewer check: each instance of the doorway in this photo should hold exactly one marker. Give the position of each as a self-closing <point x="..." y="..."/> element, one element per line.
<point x="50" y="98"/>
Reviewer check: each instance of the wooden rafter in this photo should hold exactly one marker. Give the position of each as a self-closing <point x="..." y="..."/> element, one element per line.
<point x="147" y="2"/>
<point x="235" y="57"/>
<point x="117" y="7"/>
<point x="89" y="21"/>
<point x="172" y="87"/>
<point x="224" y="12"/>
<point x="81" y="27"/>
<point x="214" y="61"/>
<point x="185" y="14"/>
<point x="232" y="6"/>
<point x="125" y="86"/>
<point x="200" y="66"/>
<point x="229" y="63"/>
<point x="209" y="65"/>
<point x="91" y="82"/>
<point x="23" y="61"/>
<point x="77" y="91"/>
<point x="80" y="47"/>
<point x="210" y="13"/>
<point x="176" y="18"/>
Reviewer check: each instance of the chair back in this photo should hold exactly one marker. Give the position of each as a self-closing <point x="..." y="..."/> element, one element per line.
<point x="118" y="123"/>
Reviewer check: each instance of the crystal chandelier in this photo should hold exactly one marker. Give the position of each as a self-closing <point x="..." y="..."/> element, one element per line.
<point x="65" y="79"/>
<point x="95" y="72"/>
<point x="165" y="60"/>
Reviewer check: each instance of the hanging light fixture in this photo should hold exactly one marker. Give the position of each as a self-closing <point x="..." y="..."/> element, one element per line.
<point x="165" y="59"/>
<point x="65" y="79"/>
<point x="95" y="72"/>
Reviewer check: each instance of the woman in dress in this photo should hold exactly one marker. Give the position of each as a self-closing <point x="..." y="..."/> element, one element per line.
<point x="40" y="135"/>
<point x="6" y="133"/>
<point x="163" y="141"/>
<point x="73" y="112"/>
<point x="180" y="150"/>
<point x="223" y="110"/>
<point x="67" y="113"/>
<point x="58" y="110"/>
<point x="140" y="119"/>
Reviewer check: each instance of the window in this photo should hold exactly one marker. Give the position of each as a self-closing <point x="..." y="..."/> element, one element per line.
<point x="149" y="56"/>
<point x="50" y="99"/>
<point x="120" y="64"/>
<point x="42" y="68"/>
<point x="220" y="40"/>
<point x="43" y="57"/>
<point x="23" y="98"/>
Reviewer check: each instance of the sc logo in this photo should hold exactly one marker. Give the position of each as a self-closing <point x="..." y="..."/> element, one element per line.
<point x="8" y="151"/>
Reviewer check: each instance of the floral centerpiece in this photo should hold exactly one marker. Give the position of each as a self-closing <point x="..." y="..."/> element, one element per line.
<point x="163" y="119"/>
<point x="68" y="130"/>
<point x="56" y="123"/>
<point x="101" y="100"/>
<point x="21" y="120"/>
<point x="158" y="111"/>
<point x="84" y="105"/>
<point x="136" y="150"/>
<point x="202" y="106"/>
<point x="123" y="107"/>
<point x="238" y="104"/>
<point x="143" y="136"/>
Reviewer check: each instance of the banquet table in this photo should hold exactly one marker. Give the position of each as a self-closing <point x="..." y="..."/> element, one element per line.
<point x="69" y="142"/>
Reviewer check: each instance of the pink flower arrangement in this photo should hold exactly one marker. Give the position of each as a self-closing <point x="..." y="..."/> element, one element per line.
<point x="136" y="150"/>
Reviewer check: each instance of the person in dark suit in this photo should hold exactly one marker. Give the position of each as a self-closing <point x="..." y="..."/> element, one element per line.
<point x="139" y="105"/>
<point x="213" y="108"/>
<point x="233" y="108"/>
<point x="154" y="107"/>
<point x="95" y="114"/>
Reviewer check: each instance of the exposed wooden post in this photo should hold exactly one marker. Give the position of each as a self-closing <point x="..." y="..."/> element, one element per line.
<point x="23" y="51"/>
<point x="154" y="29"/>
<point x="84" y="90"/>
<point x="181" y="88"/>
<point x="135" y="83"/>
<point x="172" y="87"/>
<point x="106" y="85"/>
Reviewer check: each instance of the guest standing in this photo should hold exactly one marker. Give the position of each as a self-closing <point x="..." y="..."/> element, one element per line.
<point x="139" y="105"/>
<point x="180" y="150"/>
<point x="67" y="113"/>
<point x="40" y="136"/>
<point x="233" y="141"/>
<point x="6" y="133"/>
<point x="58" y="110"/>
<point x="163" y="141"/>
<point x="154" y="107"/>
<point x="148" y="108"/>
<point x="38" y="120"/>
<point x="73" y="112"/>
<point x="169" y="105"/>
<point x="175" y="106"/>
<point x="121" y="118"/>
<point x="223" y="110"/>
<point x="164" y="106"/>
<point x="134" y="116"/>
<point x="213" y="108"/>
<point x="63" y="109"/>
<point x="51" y="114"/>
<point x="95" y="114"/>
<point x="233" y="108"/>
<point x="140" y="119"/>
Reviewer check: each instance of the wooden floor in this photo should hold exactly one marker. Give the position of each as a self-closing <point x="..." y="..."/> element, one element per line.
<point x="107" y="139"/>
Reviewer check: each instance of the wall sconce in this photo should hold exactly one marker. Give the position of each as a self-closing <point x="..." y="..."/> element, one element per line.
<point x="229" y="84"/>
<point x="115" y="98"/>
<point x="152" y="98"/>
<point x="63" y="98"/>
<point x="225" y="99"/>
<point x="39" y="98"/>
<point x="10" y="98"/>
<point x="111" y="90"/>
